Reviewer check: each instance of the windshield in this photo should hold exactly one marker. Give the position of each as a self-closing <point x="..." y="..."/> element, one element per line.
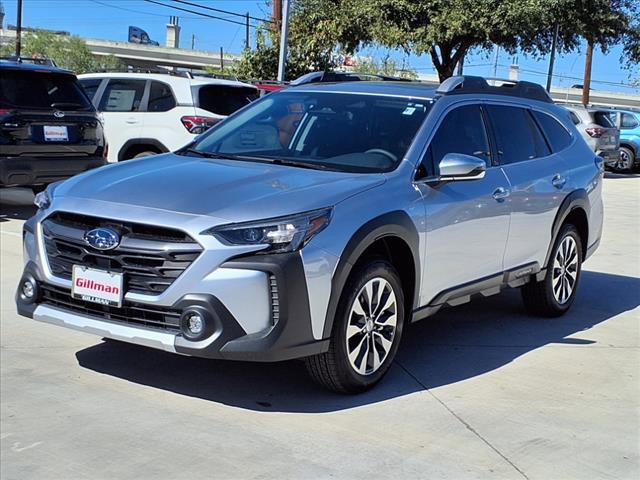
<point x="328" y="130"/>
<point x="41" y="90"/>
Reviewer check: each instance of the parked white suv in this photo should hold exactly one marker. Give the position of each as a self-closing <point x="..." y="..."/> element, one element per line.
<point x="149" y="113"/>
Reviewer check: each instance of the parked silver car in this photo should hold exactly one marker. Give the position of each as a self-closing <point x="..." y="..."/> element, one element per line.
<point x="599" y="131"/>
<point x="319" y="221"/>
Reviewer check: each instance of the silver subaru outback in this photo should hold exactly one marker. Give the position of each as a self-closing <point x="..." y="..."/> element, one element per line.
<point x="319" y="221"/>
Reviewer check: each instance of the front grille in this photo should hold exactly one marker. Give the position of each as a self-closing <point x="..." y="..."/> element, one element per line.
<point x="150" y="257"/>
<point x="134" y="314"/>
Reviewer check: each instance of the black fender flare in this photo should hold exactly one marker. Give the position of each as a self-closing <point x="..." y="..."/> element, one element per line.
<point x="576" y="199"/>
<point x="392" y="224"/>
<point x="152" y="142"/>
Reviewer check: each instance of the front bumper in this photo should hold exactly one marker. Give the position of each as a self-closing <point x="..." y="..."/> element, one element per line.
<point x="27" y="171"/>
<point x="289" y="336"/>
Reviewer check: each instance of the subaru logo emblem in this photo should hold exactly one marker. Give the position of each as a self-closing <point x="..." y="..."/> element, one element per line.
<point x="58" y="114"/>
<point x="102" y="238"/>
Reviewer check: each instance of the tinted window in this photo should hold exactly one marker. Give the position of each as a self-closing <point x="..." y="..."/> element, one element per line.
<point x="542" y="147"/>
<point x="90" y="86"/>
<point x="628" y="121"/>
<point x="122" y="96"/>
<point x="574" y="118"/>
<point x="461" y="131"/>
<point x="513" y="133"/>
<point x="223" y="99"/>
<point x="603" y="119"/>
<point x="41" y="90"/>
<point x="160" y="98"/>
<point x="557" y="136"/>
<point x="335" y="131"/>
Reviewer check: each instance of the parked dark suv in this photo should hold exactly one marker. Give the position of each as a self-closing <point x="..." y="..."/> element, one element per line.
<point x="49" y="130"/>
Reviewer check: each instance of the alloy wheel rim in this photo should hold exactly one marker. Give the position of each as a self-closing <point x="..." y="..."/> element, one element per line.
<point x="371" y="327"/>
<point x="565" y="270"/>
<point x="624" y="161"/>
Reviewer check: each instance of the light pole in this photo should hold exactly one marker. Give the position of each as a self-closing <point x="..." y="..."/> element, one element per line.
<point x="284" y="33"/>
<point x="19" y="29"/>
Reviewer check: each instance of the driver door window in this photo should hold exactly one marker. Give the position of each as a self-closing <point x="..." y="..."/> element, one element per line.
<point x="461" y="131"/>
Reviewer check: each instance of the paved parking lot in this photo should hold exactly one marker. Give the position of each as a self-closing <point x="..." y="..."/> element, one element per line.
<point x="482" y="391"/>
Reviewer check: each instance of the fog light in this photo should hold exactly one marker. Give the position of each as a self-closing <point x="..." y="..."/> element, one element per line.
<point x="195" y="323"/>
<point x="28" y="289"/>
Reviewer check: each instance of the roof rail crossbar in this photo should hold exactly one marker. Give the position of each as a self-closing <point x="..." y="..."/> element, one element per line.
<point x="164" y="71"/>
<point x="471" y="84"/>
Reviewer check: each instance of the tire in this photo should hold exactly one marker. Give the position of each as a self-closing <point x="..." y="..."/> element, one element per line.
<point x="146" y="153"/>
<point x="553" y="296"/>
<point x="624" y="163"/>
<point x="373" y="342"/>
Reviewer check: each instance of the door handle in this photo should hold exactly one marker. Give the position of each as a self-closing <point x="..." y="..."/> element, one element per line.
<point x="501" y="193"/>
<point x="558" y="181"/>
<point x="131" y="121"/>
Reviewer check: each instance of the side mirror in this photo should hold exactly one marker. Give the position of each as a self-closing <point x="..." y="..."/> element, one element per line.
<point x="458" y="166"/>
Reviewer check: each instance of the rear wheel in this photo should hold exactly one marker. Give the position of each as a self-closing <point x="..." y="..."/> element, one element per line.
<point x="366" y="331"/>
<point x="624" y="163"/>
<point x="554" y="295"/>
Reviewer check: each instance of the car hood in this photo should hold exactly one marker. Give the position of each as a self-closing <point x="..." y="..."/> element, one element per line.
<point x="227" y="189"/>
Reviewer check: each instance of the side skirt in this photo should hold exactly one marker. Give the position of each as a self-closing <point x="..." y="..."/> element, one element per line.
<point x="485" y="286"/>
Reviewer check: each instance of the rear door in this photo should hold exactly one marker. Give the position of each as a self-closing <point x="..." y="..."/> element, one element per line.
<point x="120" y="106"/>
<point x="46" y="114"/>
<point x="538" y="179"/>
<point x="222" y="100"/>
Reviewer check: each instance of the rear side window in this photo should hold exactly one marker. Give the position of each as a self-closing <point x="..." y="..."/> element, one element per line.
<point x="513" y="132"/>
<point x="90" y="86"/>
<point x="628" y="121"/>
<point x="122" y="96"/>
<point x="574" y="118"/>
<point x="223" y="99"/>
<point x="461" y="131"/>
<point x="603" y="119"/>
<point x="161" y="98"/>
<point x="557" y="135"/>
<point x="41" y="90"/>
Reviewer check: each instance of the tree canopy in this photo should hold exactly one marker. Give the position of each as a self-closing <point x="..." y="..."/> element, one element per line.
<point x="446" y="30"/>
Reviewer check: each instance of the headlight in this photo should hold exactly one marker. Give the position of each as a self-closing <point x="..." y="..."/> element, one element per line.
<point x="42" y="200"/>
<point x="279" y="235"/>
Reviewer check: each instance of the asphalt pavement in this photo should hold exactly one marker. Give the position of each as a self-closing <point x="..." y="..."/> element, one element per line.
<point x="479" y="391"/>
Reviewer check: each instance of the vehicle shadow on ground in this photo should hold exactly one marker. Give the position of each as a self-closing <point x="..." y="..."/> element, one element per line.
<point x="613" y="175"/>
<point x="16" y="203"/>
<point x="457" y="344"/>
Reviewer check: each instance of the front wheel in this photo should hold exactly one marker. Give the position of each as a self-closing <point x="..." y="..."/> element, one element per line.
<point x="366" y="331"/>
<point x="554" y="295"/>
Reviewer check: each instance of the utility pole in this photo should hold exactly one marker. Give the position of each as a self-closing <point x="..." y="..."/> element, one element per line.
<point x="495" y="62"/>
<point x="246" y="32"/>
<point x="284" y="34"/>
<point x="586" y="83"/>
<point x="193" y="41"/>
<point x="19" y="29"/>
<point x="221" y="59"/>
<point x="276" y="14"/>
<point x="554" y="44"/>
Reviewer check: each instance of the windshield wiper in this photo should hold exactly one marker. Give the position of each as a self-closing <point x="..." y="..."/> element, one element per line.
<point x="67" y="104"/>
<point x="297" y="163"/>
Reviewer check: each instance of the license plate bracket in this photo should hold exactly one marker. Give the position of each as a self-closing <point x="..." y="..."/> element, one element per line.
<point x="55" y="133"/>
<point x="97" y="286"/>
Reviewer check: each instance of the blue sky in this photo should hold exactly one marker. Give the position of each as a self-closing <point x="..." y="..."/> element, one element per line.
<point x="109" y="19"/>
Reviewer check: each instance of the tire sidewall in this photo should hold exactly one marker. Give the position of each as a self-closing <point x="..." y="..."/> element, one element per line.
<point x="567" y="230"/>
<point x="368" y="271"/>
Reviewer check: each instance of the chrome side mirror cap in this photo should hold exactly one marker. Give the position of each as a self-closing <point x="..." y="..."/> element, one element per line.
<point x="458" y="166"/>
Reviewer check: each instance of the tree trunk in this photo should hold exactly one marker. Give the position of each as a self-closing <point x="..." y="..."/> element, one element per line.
<point x="445" y="63"/>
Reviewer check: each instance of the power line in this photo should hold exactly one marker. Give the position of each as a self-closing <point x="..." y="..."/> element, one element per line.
<point x="223" y="11"/>
<point x="199" y="13"/>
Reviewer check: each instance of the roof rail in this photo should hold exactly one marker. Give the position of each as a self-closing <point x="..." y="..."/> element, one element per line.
<point x="146" y="70"/>
<point x="470" y="84"/>
<point x="34" y="61"/>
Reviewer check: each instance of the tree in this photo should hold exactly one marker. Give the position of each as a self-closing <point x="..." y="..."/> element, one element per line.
<point x="448" y="30"/>
<point x="387" y="66"/>
<point x="67" y="51"/>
